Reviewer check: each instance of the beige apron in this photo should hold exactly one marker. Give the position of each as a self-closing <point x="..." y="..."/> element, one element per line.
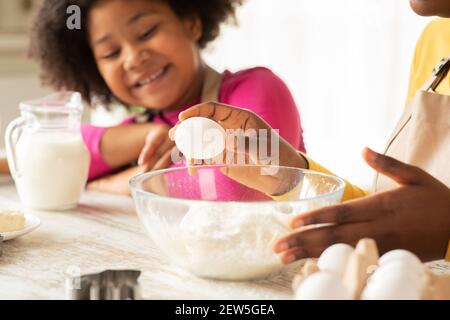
<point x="211" y="86"/>
<point x="422" y="136"/>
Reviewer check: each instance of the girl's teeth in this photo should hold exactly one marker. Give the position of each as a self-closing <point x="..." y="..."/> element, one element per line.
<point x="156" y="75"/>
<point x="153" y="77"/>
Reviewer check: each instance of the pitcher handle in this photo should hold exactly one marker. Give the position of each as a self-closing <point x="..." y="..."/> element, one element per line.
<point x="15" y="126"/>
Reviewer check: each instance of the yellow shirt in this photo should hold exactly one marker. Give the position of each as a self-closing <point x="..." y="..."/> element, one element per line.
<point x="350" y="192"/>
<point x="433" y="45"/>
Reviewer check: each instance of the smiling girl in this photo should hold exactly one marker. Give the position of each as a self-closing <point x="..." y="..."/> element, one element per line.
<point x="148" y="53"/>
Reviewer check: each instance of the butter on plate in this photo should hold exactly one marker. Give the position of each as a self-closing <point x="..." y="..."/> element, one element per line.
<point x="11" y="221"/>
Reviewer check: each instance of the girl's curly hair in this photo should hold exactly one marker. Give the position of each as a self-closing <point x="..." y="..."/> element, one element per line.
<point x="66" y="59"/>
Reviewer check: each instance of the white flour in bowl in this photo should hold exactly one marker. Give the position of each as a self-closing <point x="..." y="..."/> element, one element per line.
<point x="231" y="241"/>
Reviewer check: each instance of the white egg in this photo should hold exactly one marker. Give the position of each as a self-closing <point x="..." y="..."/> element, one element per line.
<point x="322" y="286"/>
<point x="399" y="254"/>
<point x="397" y="286"/>
<point x="396" y="279"/>
<point x="334" y="258"/>
<point x="200" y="138"/>
<point x="402" y="266"/>
<point x="397" y="271"/>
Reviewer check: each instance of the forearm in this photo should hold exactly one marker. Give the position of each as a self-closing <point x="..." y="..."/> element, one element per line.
<point x="289" y="157"/>
<point x="121" y="145"/>
<point x="304" y="162"/>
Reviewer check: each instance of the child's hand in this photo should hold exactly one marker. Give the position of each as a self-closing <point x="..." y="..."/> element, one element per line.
<point x="115" y="183"/>
<point x="414" y="216"/>
<point x="232" y="118"/>
<point x="156" y="153"/>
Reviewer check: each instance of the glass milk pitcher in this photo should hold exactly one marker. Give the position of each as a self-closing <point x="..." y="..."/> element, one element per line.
<point x="46" y="154"/>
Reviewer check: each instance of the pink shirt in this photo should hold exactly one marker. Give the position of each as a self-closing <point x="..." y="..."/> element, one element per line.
<point x="257" y="89"/>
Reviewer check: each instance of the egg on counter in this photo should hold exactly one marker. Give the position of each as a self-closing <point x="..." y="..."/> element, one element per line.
<point x="200" y="138"/>
<point x="347" y="273"/>
<point x="322" y="286"/>
<point x="400" y="276"/>
<point x="400" y="266"/>
<point x="394" y="286"/>
<point x="399" y="254"/>
<point x="399" y="272"/>
<point x="334" y="259"/>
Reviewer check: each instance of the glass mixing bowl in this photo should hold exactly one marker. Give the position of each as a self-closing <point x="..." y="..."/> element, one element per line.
<point x="221" y="222"/>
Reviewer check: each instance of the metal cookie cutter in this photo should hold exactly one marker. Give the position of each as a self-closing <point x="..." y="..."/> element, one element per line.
<point x="106" y="285"/>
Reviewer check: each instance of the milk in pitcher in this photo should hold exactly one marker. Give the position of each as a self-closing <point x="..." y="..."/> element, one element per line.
<point x="53" y="170"/>
<point x="47" y="156"/>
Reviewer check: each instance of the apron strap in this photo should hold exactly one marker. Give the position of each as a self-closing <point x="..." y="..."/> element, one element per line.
<point x="211" y="85"/>
<point x="439" y="73"/>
